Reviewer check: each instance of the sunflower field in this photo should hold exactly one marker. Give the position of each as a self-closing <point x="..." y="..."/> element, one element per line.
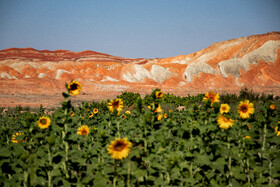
<point x="158" y="140"/>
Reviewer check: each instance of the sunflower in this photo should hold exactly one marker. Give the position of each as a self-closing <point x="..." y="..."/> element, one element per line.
<point x="72" y="113"/>
<point x="123" y="116"/>
<point x="248" y="137"/>
<point x="158" y="109"/>
<point x="74" y="87"/>
<point x="272" y="107"/>
<point x="14" y="138"/>
<point x="159" y="117"/>
<point x="245" y="108"/>
<point x="277" y="132"/>
<point x="83" y="130"/>
<point x="127" y="112"/>
<point x="44" y="122"/>
<point x="119" y="148"/>
<point x="159" y="94"/>
<point x="165" y="116"/>
<point x="115" y="104"/>
<point x="212" y="96"/>
<point x="224" y="108"/>
<point x="90" y="115"/>
<point x="224" y="122"/>
<point x="95" y="110"/>
<point x="149" y="107"/>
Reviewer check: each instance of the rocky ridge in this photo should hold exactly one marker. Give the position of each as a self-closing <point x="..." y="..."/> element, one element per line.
<point x="252" y="62"/>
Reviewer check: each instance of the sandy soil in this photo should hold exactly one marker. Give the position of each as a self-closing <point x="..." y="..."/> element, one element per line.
<point x="54" y="99"/>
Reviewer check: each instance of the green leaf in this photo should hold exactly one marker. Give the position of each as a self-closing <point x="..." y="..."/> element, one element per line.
<point x="100" y="180"/>
<point x="4" y="152"/>
<point x="140" y="173"/>
<point x="219" y="164"/>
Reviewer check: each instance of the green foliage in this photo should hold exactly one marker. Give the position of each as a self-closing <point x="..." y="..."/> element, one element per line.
<point x="129" y="98"/>
<point x="184" y="148"/>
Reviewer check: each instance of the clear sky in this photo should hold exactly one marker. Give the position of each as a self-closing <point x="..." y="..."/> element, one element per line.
<point x="133" y="28"/>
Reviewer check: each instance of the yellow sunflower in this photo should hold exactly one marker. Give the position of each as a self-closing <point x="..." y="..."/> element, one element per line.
<point x="90" y="115"/>
<point x="115" y="104"/>
<point x="72" y="113"/>
<point x="123" y="116"/>
<point x="159" y="94"/>
<point x="83" y="130"/>
<point x="44" y="122"/>
<point x="14" y="138"/>
<point x="165" y="116"/>
<point x="95" y="110"/>
<point x="224" y="123"/>
<point x="158" y="109"/>
<point x="74" y="87"/>
<point x="224" y="108"/>
<point x="212" y="96"/>
<point x="245" y="108"/>
<point x="127" y="112"/>
<point x="149" y="107"/>
<point x="119" y="148"/>
<point x="248" y="137"/>
<point x="277" y="132"/>
<point x="159" y="117"/>
<point x="272" y="107"/>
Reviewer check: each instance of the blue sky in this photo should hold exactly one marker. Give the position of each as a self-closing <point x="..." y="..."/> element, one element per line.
<point x="133" y="28"/>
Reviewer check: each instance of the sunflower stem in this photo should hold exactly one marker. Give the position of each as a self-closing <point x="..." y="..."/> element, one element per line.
<point x="128" y="174"/>
<point x="118" y="127"/>
<point x="25" y="176"/>
<point x="248" y="170"/>
<point x="50" y="163"/>
<point x="229" y="160"/>
<point x="115" y="173"/>
<point x="264" y="137"/>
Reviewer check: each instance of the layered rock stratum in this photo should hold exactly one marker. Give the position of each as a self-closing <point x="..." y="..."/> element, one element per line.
<point x="30" y="77"/>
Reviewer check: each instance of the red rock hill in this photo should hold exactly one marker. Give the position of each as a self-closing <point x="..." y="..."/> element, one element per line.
<point x="228" y="66"/>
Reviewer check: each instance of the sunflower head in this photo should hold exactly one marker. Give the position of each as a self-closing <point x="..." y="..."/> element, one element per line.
<point x="127" y="112"/>
<point x="158" y="109"/>
<point x="224" y="108"/>
<point x="272" y="107"/>
<point x="159" y="117"/>
<point x="44" y="122"/>
<point x="18" y="138"/>
<point x="95" y="110"/>
<point x="90" y="115"/>
<point x="72" y="113"/>
<point x="165" y="116"/>
<point x="248" y="137"/>
<point x="119" y="148"/>
<point x="115" y="104"/>
<point x="83" y="130"/>
<point x="245" y="108"/>
<point x="158" y="94"/>
<point x="74" y="87"/>
<point x="123" y="116"/>
<point x="212" y="97"/>
<point x="277" y="131"/>
<point x="224" y="122"/>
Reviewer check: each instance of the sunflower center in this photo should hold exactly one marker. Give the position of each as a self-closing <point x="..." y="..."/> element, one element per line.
<point x="84" y="132"/>
<point x="119" y="146"/>
<point x="43" y="121"/>
<point x="244" y="109"/>
<point x="115" y="104"/>
<point x="73" y="86"/>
